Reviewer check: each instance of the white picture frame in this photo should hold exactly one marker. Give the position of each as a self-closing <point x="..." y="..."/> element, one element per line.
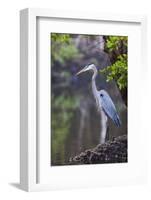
<point x="29" y="147"/>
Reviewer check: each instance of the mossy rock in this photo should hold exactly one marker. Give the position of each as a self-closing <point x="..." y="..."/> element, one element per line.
<point x="113" y="151"/>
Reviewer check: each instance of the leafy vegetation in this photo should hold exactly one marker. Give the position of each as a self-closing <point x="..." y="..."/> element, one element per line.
<point x="63" y="48"/>
<point x="57" y="37"/>
<point x="118" y="71"/>
<point x="115" y="42"/>
<point x="116" y="47"/>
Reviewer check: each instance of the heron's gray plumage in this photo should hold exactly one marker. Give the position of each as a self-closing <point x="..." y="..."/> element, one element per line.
<point x="109" y="107"/>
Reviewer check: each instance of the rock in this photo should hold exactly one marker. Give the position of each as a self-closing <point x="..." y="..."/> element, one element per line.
<point x="113" y="151"/>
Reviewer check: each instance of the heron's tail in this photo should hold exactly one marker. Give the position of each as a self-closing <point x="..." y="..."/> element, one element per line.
<point x="117" y="120"/>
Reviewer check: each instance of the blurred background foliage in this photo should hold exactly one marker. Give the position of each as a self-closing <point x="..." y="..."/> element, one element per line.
<point x="63" y="48"/>
<point x="75" y="122"/>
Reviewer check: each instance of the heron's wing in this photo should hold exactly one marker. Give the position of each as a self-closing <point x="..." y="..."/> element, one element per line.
<point x="109" y="108"/>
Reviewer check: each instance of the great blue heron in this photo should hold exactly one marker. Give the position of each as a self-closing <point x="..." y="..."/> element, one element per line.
<point x="104" y="103"/>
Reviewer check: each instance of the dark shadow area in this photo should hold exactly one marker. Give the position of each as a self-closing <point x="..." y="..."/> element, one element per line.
<point x="16" y="185"/>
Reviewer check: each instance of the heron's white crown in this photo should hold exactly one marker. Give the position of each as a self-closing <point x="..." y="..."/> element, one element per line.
<point x="87" y="68"/>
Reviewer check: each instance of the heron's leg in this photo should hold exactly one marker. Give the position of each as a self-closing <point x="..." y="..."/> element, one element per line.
<point x="103" y="127"/>
<point x="107" y="132"/>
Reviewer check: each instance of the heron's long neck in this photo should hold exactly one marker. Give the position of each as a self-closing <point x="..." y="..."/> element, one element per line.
<point x="103" y="116"/>
<point x="94" y="88"/>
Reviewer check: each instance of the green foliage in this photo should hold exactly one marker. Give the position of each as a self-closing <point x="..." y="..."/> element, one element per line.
<point x="115" y="42"/>
<point x="118" y="71"/>
<point x="64" y="102"/>
<point x="116" y="46"/>
<point x="66" y="53"/>
<point x="56" y="37"/>
<point x="63" y="48"/>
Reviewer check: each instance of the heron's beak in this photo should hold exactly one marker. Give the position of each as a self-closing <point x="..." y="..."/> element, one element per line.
<point x="80" y="72"/>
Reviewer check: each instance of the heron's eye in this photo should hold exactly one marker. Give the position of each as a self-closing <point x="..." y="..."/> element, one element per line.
<point x="101" y="95"/>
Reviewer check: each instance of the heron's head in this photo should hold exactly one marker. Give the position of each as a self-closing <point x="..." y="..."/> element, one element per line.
<point x="87" y="68"/>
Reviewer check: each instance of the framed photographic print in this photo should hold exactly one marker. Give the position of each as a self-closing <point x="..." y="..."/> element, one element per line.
<point x="81" y="116"/>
